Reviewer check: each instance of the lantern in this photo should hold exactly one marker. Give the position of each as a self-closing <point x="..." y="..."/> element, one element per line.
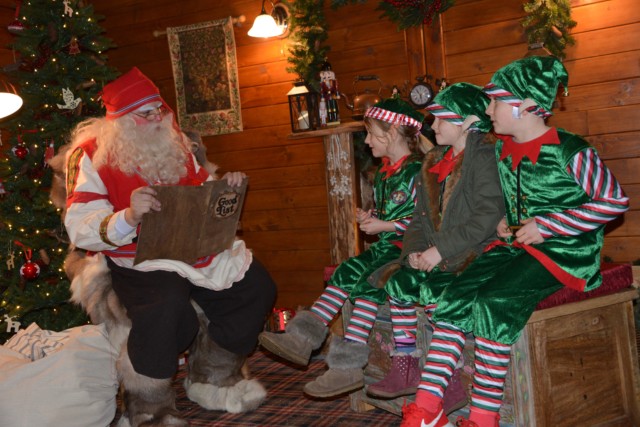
<point x="303" y="108"/>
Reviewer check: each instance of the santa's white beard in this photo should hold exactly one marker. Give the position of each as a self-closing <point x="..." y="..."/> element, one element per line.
<point x="153" y="150"/>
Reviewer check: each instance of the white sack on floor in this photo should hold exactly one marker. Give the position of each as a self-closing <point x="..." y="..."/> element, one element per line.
<point x="76" y="385"/>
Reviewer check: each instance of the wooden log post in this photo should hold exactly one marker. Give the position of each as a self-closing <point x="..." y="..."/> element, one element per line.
<point x="343" y="191"/>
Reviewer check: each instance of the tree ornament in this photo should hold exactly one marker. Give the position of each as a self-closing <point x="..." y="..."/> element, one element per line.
<point x="30" y="270"/>
<point x="45" y="256"/>
<point x="74" y="47"/>
<point x="49" y="152"/>
<point x="67" y="9"/>
<point x="11" y="259"/>
<point x="2" y="190"/>
<point x="12" y="325"/>
<point x="69" y="102"/>
<point x="53" y="33"/>
<point x="20" y="151"/>
<point x="16" y="26"/>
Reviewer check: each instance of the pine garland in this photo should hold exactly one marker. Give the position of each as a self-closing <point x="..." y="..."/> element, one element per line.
<point x="549" y="22"/>
<point x="309" y="28"/>
<point x="413" y="13"/>
<point x="308" y="31"/>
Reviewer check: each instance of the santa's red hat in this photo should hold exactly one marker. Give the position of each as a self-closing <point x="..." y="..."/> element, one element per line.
<point x="129" y="92"/>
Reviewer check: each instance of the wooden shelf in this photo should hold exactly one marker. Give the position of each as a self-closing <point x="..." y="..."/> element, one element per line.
<point x="346" y="127"/>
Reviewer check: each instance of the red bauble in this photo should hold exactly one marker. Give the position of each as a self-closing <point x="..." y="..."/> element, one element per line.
<point x="30" y="270"/>
<point x="16" y="27"/>
<point x="20" y="151"/>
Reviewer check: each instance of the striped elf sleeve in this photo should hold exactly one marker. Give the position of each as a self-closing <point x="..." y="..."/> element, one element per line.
<point x="401" y="224"/>
<point x="607" y="199"/>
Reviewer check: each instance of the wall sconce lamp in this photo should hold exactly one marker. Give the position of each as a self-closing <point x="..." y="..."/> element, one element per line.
<point x="270" y="25"/>
<point x="10" y="101"/>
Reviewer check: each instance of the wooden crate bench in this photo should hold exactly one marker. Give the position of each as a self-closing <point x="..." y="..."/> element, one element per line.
<point x="575" y="364"/>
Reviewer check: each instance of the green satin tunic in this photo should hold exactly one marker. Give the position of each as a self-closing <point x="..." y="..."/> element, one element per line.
<point x="395" y="200"/>
<point x="495" y="296"/>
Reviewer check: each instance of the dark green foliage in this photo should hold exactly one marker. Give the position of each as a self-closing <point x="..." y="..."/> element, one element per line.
<point x="47" y="64"/>
<point x="549" y="22"/>
<point x="308" y="27"/>
<point x="413" y="13"/>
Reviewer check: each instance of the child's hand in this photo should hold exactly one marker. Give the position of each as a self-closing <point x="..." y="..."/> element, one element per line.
<point x="502" y="230"/>
<point x="428" y="259"/>
<point x="362" y="216"/>
<point x="373" y="225"/>
<point x="529" y="233"/>
<point x="414" y="259"/>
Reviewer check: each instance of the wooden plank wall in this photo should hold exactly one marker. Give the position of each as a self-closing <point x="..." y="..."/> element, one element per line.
<point x="285" y="219"/>
<point x="480" y="36"/>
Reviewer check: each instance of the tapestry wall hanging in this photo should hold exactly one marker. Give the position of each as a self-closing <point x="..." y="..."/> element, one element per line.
<point x="203" y="57"/>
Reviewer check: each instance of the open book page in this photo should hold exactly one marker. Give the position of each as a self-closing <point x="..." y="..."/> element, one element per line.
<point x="195" y="221"/>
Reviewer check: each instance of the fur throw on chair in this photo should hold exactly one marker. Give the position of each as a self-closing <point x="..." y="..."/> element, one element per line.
<point x="215" y="377"/>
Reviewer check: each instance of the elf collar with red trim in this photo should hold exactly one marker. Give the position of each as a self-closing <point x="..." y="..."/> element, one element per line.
<point x="531" y="149"/>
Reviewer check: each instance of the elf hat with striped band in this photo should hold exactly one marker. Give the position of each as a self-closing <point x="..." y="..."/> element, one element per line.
<point x="396" y="111"/>
<point x="462" y="104"/>
<point x="535" y="77"/>
<point x="129" y="92"/>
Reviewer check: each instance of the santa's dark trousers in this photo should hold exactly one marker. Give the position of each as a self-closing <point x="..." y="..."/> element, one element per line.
<point x="164" y="322"/>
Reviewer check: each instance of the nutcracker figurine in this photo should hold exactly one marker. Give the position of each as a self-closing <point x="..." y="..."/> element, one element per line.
<point x="329" y="92"/>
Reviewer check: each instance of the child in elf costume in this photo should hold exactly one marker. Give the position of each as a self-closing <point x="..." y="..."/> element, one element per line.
<point x="558" y="197"/>
<point x="459" y="204"/>
<point x="393" y="128"/>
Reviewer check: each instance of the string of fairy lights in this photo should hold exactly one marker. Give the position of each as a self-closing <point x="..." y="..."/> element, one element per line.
<point x="59" y="72"/>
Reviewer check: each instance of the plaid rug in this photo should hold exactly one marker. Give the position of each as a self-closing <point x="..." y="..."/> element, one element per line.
<point x="285" y="405"/>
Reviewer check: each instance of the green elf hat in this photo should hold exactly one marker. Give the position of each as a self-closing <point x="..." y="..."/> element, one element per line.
<point x="462" y="104"/>
<point x="396" y="111"/>
<point x="535" y="78"/>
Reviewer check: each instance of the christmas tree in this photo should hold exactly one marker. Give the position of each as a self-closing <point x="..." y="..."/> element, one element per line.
<point x="59" y="74"/>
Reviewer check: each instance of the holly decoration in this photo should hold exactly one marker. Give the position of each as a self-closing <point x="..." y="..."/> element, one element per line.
<point x="549" y="22"/>
<point x="413" y="13"/>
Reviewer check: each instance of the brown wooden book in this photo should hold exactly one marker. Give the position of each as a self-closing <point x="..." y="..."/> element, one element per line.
<point x="195" y="221"/>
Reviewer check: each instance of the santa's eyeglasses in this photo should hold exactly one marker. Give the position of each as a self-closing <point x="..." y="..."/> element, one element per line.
<point x="153" y="114"/>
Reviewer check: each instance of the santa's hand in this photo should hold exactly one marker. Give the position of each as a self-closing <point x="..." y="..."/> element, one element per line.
<point x="234" y="179"/>
<point x="142" y="201"/>
<point x="529" y="233"/>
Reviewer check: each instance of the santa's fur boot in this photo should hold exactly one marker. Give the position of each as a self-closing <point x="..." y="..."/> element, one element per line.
<point x="303" y="334"/>
<point x="402" y="379"/>
<point x="148" y="402"/>
<point x="346" y="360"/>
<point x="215" y="380"/>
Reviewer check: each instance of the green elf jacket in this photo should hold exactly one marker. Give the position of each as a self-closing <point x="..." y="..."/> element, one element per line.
<point x="460" y="221"/>
<point x="496" y="295"/>
<point x="394" y="199"/>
